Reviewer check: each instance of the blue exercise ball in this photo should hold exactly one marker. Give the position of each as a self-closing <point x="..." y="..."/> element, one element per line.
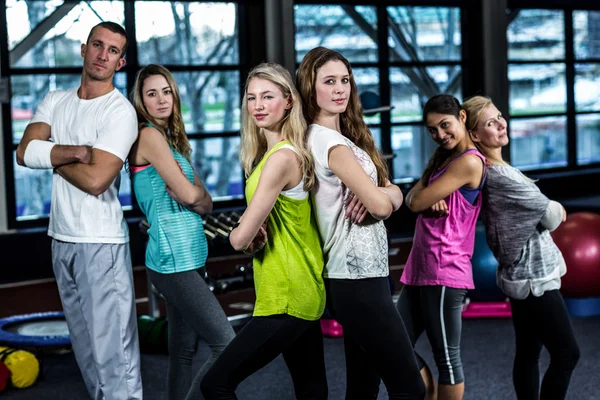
<point x="484" y="270"/>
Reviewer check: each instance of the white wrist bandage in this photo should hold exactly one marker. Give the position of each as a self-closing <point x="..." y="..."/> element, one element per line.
<point x="37" y="154"/>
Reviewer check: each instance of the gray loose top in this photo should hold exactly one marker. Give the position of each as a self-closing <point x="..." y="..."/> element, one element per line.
<point x="517" y="218"/>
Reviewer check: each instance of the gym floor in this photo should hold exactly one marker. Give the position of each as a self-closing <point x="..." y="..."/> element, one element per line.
<point x="487" y="357"/>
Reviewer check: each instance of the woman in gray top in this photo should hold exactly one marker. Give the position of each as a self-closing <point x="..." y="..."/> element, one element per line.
<point x="518" y="219"/>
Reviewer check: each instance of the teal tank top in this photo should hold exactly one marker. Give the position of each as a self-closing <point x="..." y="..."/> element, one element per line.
<point x="176" y="239"/>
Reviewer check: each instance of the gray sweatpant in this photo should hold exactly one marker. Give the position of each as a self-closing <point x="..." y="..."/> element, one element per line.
<point x="95" y="282"/>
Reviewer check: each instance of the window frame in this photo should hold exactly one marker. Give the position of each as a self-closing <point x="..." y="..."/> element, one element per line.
<point x="569" y="61"/>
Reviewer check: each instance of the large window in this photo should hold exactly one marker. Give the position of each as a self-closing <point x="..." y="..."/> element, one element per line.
<point x="586" y="47"/>
<point x="197" y="41"/>
<point x="401" y="56"/>
<point x="554" y="88"/>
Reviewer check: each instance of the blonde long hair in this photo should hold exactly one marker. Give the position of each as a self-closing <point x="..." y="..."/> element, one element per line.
<point x="475" y="106"/>
<point x="175" y="132"/>
<point x="293" y="126"/>
<point x="352" y="123"/>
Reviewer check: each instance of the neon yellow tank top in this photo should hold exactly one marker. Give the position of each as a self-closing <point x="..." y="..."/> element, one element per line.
<point x="288" y="271"/>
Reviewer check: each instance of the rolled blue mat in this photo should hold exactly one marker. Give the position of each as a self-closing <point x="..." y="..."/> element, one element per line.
<point x="45" y="329"/>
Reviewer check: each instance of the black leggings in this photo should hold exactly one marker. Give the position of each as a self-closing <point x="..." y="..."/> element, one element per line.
<point x="436" y="310"/>
<point x="376" y="344"/>
<point x="258" y="343"/>
<point x="543" y="321"/>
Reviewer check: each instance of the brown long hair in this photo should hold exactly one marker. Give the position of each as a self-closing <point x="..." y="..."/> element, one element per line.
<point x="351" y="120"/>
<point x="441" y="104"/>
<point x="293" y="125"/>
<point x="175" y="135"/>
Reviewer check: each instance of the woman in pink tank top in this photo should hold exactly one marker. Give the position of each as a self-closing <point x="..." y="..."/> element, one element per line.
<point x="438" y="271"/>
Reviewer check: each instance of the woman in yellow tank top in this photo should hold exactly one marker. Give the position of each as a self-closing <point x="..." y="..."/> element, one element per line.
<point x="279" y="229"/>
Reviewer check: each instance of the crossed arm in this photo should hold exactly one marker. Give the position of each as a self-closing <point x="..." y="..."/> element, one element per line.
<point x="60" y="154"/>
<point x="467" y="170"/>
<point x="279" y="171"/>
<point x="90" y="170"/>
<point x="379" y="202"/>
<point x="94" y="177"/>
<point x="154" y="149"/>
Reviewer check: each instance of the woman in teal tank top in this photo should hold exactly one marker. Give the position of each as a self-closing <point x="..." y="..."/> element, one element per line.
<point x="278" y="227"/>
<point x="172" y="197"/>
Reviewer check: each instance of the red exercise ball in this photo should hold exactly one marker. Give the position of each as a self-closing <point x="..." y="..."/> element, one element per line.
<point x="578" y="238"/>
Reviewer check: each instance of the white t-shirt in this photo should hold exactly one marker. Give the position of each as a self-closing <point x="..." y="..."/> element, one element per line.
<point x="351" y="251"/>
<point x="108" y="123"/>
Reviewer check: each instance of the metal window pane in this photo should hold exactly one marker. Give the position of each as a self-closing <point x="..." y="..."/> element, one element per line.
<point x="588" y="139"/>
<point x="33" y="190"/>
<point x="351" y="30"/>
<point x="424" y="34"/>
<point x="216" y="161"/>
<point x="125" y="189"/>
<point x="367" y="82"/>
<point x="586" y="37"/>
<point x="210" y="100"/>
<point x="537" y="35"/>
<point x="538" y="142"/>
<point x="186" y="33"/>
<point x="412" y="87"/>
<point x="376" y="132"/>
<point x="587" y="87"/>
<point x="50" y="33"/>
<point x="537" y="89"/>
<point x="412" y="146"/>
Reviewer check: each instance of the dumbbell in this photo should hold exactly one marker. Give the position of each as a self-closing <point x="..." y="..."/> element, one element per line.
<point x="209" y="230"/>
<point x="220" y="227"/>
<point x="246" y="271"/>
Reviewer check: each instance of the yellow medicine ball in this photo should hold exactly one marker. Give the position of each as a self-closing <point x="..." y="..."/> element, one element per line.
<point x="23" y="365"/>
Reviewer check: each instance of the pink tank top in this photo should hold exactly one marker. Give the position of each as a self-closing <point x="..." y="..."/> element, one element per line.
<point x="442" y="247"/>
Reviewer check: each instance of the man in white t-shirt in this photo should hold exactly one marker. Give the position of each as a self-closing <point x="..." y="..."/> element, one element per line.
<point x="85" y="134"/>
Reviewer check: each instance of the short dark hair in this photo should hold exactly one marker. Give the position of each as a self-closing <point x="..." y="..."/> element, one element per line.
<point x="114" y="28"/>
